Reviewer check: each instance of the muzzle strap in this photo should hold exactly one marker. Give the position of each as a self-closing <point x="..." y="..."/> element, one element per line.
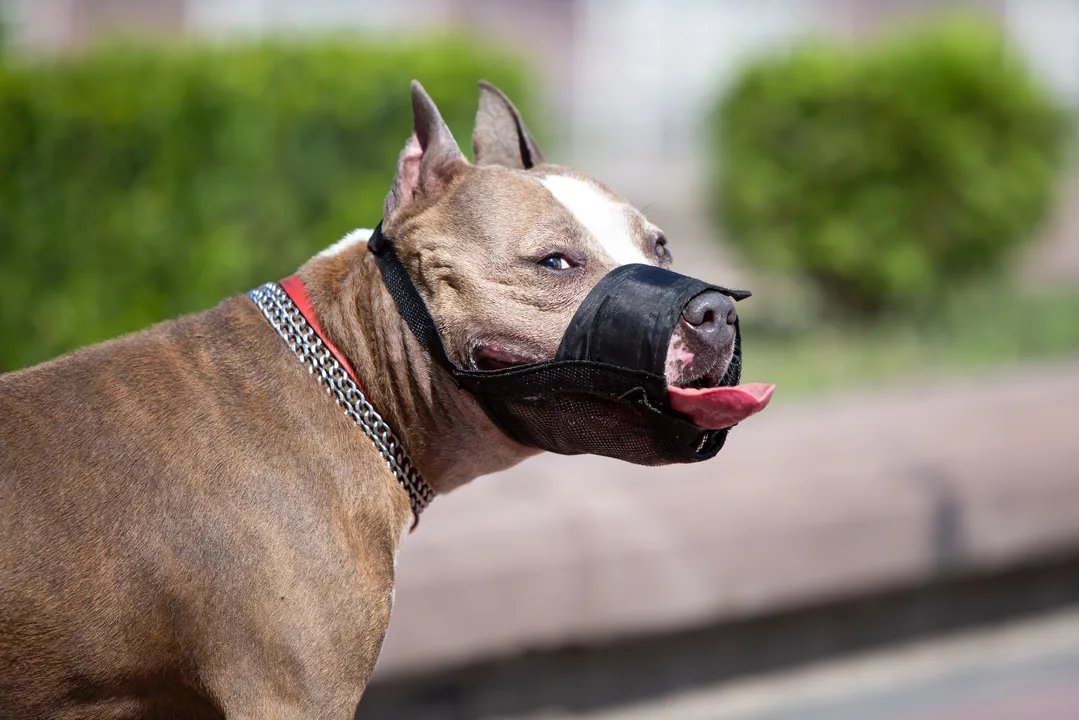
<point x="409" y="303"/>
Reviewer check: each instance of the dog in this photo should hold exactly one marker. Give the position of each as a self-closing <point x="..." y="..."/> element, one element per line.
<point x="192" y="527"/>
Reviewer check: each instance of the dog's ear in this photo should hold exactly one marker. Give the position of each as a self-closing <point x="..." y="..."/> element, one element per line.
<point x="501" y="137"/>
<point x="430" y="159"/>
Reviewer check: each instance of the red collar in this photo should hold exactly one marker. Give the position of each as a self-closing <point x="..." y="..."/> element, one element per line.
<point x="294" y="288"/>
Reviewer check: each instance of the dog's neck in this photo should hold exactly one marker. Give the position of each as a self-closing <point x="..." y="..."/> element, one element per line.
<point x="450" y="439"/>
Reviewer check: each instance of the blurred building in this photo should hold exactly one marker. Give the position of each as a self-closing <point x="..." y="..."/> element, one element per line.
<point x="627" y="82"/>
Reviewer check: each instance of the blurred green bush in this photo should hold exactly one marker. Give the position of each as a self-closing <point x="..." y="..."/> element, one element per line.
<point x="890" y="173"/>
<point x="137" y="184"/>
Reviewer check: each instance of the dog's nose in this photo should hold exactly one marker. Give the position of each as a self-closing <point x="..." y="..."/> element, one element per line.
<point x="711" y="317"/>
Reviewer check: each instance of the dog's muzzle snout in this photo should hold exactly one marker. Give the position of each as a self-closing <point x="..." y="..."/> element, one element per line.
<point x="605" y="392"/>
<point x="711" y="318"/>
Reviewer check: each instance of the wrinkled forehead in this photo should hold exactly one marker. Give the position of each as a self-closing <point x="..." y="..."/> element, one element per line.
<point x="556" y="197"/>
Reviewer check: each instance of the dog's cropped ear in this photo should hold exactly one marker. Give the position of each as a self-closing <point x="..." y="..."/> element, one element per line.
<point x="430" y="159"/>
<point x="501" y="137"/>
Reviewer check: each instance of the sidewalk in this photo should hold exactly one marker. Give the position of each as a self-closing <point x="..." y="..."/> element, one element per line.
<point x="811" y="500"/>
<point x="1026" y="670"/>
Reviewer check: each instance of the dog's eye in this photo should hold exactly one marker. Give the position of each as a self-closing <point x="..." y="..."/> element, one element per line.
<point x="556" y="262"/>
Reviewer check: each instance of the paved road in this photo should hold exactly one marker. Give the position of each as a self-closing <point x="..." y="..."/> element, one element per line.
<point x="1027" y="670"/>
<point x="892" y="486"/>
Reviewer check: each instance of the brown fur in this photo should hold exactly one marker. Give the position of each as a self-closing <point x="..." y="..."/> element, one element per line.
<point x="192" y="528"/>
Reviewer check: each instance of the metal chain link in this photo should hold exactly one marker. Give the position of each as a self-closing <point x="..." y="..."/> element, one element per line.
<point x="291" y="325"/>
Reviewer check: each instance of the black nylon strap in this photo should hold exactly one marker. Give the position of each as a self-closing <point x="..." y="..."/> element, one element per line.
<point x="409" y="303"/>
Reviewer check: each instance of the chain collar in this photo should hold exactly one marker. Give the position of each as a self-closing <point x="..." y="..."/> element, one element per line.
<point x="292" y="326"/>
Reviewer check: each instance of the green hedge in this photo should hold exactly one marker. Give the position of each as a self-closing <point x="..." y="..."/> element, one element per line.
<point x="137" y="184"/>
<point x="890" y="173"/>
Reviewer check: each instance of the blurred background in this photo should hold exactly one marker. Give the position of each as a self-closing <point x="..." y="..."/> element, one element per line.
<point x="897" y="182"/>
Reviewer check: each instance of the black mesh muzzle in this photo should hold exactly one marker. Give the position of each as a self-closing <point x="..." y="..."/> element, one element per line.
<point x="605" y="392"/>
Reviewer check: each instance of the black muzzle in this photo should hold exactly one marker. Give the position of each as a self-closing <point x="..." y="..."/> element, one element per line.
<point x="605" y="391"/>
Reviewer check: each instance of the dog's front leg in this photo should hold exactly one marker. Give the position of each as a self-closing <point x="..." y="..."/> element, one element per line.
<point x="313" y="662"/>
<point x="297" y="709"/>
<point x="316" y="696"/>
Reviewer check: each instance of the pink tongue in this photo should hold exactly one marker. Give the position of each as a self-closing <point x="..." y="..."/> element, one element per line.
<point x="720" y="407"/>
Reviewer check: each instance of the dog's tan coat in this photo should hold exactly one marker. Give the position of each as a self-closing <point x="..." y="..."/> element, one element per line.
<point x="191" y="528"/>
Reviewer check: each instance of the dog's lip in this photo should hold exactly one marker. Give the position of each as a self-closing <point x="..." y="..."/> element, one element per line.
<point x="498" y="356"/>
<point x="708" y="378"/>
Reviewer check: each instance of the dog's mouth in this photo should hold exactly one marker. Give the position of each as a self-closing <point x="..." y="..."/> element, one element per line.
<point x="700" y="396"/>
<point x="695" y="370"/>
<point x="496" y="356"/>
<point x="697" y="388"/>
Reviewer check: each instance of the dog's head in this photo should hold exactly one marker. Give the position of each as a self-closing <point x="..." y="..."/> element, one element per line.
<point x="505" y="249"/>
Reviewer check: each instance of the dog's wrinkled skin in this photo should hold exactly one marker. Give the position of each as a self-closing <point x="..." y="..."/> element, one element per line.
<point x="191" y="528"/>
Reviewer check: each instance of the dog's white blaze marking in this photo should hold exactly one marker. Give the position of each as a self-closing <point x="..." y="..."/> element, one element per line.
<point x="605" y="219"/>
<point x="358" y="235"/>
